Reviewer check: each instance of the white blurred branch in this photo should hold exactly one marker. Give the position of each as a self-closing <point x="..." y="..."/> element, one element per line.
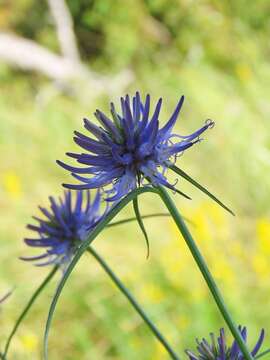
<point x="64" y="29"/>
<point x="29" y="55"/>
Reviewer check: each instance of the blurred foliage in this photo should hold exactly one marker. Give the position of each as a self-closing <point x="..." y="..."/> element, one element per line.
<point x="217" y="54"/>
<point x="115" y="33"/>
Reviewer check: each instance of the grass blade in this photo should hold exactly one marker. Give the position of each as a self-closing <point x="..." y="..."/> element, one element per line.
<point x="150" y="216"/>
<point x="27" y="308"/>
<point x="183" y="194"/>
<point x="141" y="224"/>
<point x="7" y="295"/>
<point x="124" y="221"/>
<point x="200" y="187"/>
<point x="262" y="354"/>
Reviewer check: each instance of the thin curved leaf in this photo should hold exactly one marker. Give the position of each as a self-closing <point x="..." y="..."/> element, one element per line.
<point x="262" y="354"/>
<point x="111" y="214"/>
<point x="7" y="295"/>
<point x="182" y="194"/>
<point x="124" y="221"/>
<point x="200" y="187"/>
<point x="27" y="308"/>
<point x="141" y="224"/>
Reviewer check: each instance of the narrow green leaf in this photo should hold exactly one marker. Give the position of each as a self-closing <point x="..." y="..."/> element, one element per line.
<point x="183" y="194"/>
<point x="124" y="221"/>
<point x="262" y="354"/>
<point x="141" y="224"/>
<point x="27" y="308"/>
<point x="84" y="246"/>
<point x="200" y="187"/>
<point x="7" y="295"/>
<point x="175" y="190"/>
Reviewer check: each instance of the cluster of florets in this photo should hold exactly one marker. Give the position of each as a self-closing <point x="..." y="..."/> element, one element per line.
<point x="128" y="151"/>
<point x="64" y="227"/>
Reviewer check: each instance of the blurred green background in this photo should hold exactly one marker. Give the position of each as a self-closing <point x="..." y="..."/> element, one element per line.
<point x="217" y="54"/>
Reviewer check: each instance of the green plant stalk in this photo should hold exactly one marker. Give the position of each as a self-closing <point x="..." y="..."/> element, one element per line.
<point x="7" y="295"/>
<point x="101" y="225"/>
<point x="27" y="308"/>
<point x="141" y="224"/>
<point x="150" y="216"/>
<point x="133" y="302"/>
<point x="204" y="270"/>
<point x="46" y="281"/>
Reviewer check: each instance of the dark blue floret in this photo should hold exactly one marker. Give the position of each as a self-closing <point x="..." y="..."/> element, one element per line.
<point x="130" y="150"/>
<point x="218" y="350"/>
<point x="64" y="227"/>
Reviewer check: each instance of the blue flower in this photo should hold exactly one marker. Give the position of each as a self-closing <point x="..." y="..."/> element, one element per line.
<point x="218" y="350"/>
<point x="64" y="227"/>
<point x="130" y="150"/>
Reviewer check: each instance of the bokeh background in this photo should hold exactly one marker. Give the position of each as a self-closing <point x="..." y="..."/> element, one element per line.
<point x="217" y="54"/>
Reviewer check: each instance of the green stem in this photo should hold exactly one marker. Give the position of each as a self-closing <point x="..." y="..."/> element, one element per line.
<point x="124" y="221"/>
<point x="84" y="246"/>
<point x="204" y="270"/>
<point x="133" y="302"/>
<point x="262" y="354"/>
<point x="141" y="224"/>
<point x="7" y="295"/>
<point x="27" y="308"/>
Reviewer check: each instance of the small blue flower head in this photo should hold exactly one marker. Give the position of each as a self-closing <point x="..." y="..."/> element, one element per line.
<point x="130" y="150"/>
<point x="218" y="349"/>
<point x="64" y="227"/>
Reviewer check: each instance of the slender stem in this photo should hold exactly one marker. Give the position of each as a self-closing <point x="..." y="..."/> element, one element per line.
<point x="141" y="224"/>
<point x="93" y="234"/>
<point x="27" y="308"/>
<point x="133" y="302"/>
<point x="262" y="354"/>
<point x="204" y="270"/>
<point x="7" y="295"/>
<point x="122" y="222"/>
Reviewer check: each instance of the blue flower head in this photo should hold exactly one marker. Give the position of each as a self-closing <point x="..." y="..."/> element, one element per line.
<point x="130" y="150"/>
<point x="64" y="227"/>
<point x="217" y="349"/>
